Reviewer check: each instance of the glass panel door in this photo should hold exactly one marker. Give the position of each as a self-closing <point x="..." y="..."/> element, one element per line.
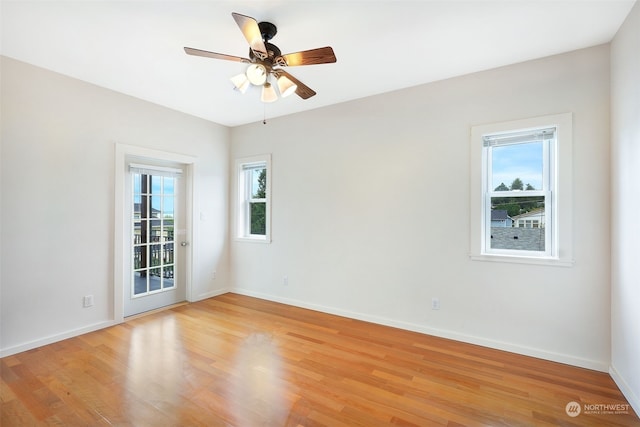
<point x="157" y="261"/>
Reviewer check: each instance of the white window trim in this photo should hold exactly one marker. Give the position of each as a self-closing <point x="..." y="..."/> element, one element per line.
<point x="562" y="192"/>
<point x="242" y="215"/>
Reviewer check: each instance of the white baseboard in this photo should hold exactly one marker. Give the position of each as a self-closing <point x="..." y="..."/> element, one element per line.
<point x="513" y="348"/>
<point x="631" y="397"/>
<point x="211" y="294"/>
<point x="9" y="351"/>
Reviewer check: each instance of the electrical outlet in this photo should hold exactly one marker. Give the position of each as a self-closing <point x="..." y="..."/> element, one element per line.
<point x="435" y="303"/>
<point x="285" y="281"/>
<point x="87" y="301"/>
<point x="213" y="276"/>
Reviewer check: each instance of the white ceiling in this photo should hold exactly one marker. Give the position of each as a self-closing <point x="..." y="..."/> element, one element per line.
<point x="136" y="47"/>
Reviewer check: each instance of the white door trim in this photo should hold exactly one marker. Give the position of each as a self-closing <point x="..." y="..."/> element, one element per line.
<point x="120" y="240"/>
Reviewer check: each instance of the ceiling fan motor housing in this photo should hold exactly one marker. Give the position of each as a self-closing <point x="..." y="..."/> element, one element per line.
<point x="267" y="30"/>
<point x="272" y="50"/>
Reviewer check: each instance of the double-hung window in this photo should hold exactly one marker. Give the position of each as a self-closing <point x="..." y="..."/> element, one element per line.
<point x="254" y="204"/>
<point x="521" y="191"/>
<point x="519" y="175"/>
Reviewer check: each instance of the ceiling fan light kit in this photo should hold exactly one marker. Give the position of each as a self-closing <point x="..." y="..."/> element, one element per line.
<point x="286" y="86"/>
<point x="266" y="58"/>
<point x="257" y="74"/>
<point x="268" y="93"/>
<point x="241" y="83"/>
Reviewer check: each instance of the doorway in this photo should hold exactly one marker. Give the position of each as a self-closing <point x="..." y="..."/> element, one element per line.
<point x="155" y="270"/>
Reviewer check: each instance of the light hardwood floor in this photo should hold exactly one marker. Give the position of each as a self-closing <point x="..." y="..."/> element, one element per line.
<point x="238" y="361"/>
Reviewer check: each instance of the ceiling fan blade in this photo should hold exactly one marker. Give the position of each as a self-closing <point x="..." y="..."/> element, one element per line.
<point x="251" y="31"/>
<point x="322" y="55"/>
<point x="302" y="90"/>
<point x="198" y="52"/>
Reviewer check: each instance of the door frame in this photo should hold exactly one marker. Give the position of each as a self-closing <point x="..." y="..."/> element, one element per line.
<point x="121" y="244"/>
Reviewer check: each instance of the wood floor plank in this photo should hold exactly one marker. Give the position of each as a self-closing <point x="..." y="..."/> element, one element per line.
<point x="238" y="361"/>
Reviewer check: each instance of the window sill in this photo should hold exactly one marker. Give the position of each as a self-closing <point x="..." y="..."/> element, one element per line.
<point x="553" y="262"/>
<point x="253" y="239"/>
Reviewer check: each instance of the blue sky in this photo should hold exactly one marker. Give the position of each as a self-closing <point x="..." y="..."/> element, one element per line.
<point x="522" y="161"/>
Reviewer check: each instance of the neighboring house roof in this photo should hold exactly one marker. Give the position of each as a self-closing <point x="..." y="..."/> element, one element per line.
<point x="499" y="215"/>
<point x="535" y="212"/>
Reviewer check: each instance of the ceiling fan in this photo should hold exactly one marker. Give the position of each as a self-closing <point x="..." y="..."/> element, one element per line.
<point x="266" y="60"/>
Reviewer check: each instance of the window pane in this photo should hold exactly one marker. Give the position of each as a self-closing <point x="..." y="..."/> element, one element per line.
<point x="169" y="185"/>
<point x="156" y="206"/>
<point x="155" y="279"/>
<point x="156" y="230"/>
<point x="518" y="223"/>
<point x="516" y="167"/>
<point x="168" y="207"/>
<point x="155" y="257"/>
<point x="168" y="254"/>
<point x="167" y="273"/>
<point x="137" y="186"/>
<point x="137" y="205"/>
<point x="258" y="183"/>
<point x="139" y="282"/>
<point x="156" y="184"/>
<point x="168" y="230"/>
<point x="258" y="218"/>
<point x="137" y="232"/>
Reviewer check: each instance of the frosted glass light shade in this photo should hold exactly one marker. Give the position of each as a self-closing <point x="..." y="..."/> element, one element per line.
<point x="286" y="86"/>
<point x="268" y="93"/>
<point x="240" y="82"/>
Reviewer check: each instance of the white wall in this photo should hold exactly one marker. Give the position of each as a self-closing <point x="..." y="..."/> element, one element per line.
<point x="58" y="147"/>
<point x="625" y="158"/>
<point x="371" y="212"/>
